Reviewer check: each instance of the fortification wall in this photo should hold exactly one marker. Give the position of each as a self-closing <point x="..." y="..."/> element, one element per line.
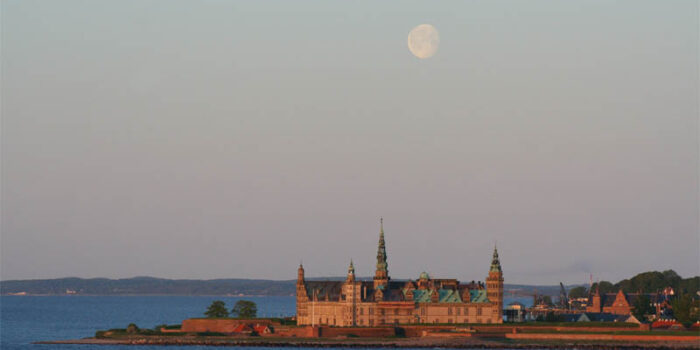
<point x="222" y="325"/>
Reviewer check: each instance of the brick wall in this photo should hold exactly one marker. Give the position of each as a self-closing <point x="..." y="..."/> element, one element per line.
<point x="331" y="332"/>
<point x="224" y="325"/>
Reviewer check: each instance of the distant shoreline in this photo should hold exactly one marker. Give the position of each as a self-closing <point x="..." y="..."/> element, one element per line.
<point x="150" y="286"/>
<point x="145" y="295"/>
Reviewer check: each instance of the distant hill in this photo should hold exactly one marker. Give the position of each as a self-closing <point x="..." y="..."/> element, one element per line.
<point x="161" y="286"/>
<point x="147" y="286"/>
<point x="645" y="282"/>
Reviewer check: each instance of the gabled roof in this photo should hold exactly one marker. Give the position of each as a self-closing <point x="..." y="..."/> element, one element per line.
<point x="479" y="296"/>
<point x="449" y="296"/>
<point x="422" y="295"/>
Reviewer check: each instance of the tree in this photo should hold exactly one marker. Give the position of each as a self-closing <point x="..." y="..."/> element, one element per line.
<point x="132" y="328"/>
<point x="245" y="309"/>
<point x="578" y="292"/>
<point x="217" y="309"/>
<point x="643" y="307"/>
<point x="604" y="287"/>
<point x="682" y="305"/>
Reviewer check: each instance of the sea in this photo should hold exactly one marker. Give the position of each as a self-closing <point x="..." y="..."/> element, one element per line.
<point x="28" y="319"/>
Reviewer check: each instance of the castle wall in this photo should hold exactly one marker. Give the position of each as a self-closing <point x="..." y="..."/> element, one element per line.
<point x="198" y="325"/>
<point x="376" y="314"/>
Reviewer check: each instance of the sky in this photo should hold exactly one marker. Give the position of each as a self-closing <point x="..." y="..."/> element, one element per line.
<point x="235" y="139"/>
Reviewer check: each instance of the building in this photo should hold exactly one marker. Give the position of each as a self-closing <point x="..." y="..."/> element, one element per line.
<point x="383" y="301"/>
<point x="515" y="312"/>
<point x="621" y="303"/>
<point x="610" y="303"/>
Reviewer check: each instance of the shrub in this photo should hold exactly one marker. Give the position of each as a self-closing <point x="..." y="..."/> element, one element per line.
<point x="100" y="334"/>
<point x="132" y="328"/>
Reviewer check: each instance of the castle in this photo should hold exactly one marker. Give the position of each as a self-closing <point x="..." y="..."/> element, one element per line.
<point x="384" y="302"/>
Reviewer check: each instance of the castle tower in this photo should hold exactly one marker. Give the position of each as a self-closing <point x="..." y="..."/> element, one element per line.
<point x="351" y="291"/>
<point x="594" y="303"/>
<point x="302" y="297"/>
<point x="381" y="275"/>
<point x="494" y="286"/>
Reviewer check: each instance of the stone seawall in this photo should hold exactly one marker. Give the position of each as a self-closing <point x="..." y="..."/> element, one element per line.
<point x="625" y="337"/>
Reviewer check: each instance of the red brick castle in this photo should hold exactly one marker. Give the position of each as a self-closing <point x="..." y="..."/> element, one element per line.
<point x="383" y="301"/>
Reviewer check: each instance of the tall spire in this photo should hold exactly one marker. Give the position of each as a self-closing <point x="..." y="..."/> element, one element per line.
<point x="381" y="275"/>
<point x="495" y="263"/>
<point x="351" y="272"/>
<point x="381" y="249"/>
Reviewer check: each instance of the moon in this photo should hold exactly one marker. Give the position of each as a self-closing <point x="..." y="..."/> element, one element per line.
<point x="423" y="41"/>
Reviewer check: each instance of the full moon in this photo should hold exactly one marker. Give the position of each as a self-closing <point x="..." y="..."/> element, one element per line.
<point x="423" y="41"/>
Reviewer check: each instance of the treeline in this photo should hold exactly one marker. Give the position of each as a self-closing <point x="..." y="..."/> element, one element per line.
<point x="646" y="282"/>
<point x="148" y="286"/>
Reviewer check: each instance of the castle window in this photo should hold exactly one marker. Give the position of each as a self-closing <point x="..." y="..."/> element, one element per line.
<point x="371" y="322"/>
<point x="362" y="311"/>
<point x="478" y="311"/>
<point x="459" y="311"/>
<point x="371" y="311"/>
<point x="449" y="311"/>
<point x="422" y="311"/>
<point x="396" y="311"/>
<point x="382" y="311"/>
<point x="465" y="311"/>
<point x="408" y="312"/>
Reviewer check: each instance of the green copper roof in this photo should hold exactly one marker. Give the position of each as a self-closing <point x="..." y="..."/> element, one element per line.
<point x="351" y="269"/>
<point x="449" y="296"/>
<point x="478" y="296"/>
<point x="424" y="276"/>
<point x="444" y="295"/>
<point x="495" y="263"/>
<point x="421" y="296"/>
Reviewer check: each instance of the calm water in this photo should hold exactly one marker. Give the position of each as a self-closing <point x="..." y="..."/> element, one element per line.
<point x="26" y="319"/>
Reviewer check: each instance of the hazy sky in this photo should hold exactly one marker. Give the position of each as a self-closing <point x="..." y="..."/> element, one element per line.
<point x="224" y="139"/>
